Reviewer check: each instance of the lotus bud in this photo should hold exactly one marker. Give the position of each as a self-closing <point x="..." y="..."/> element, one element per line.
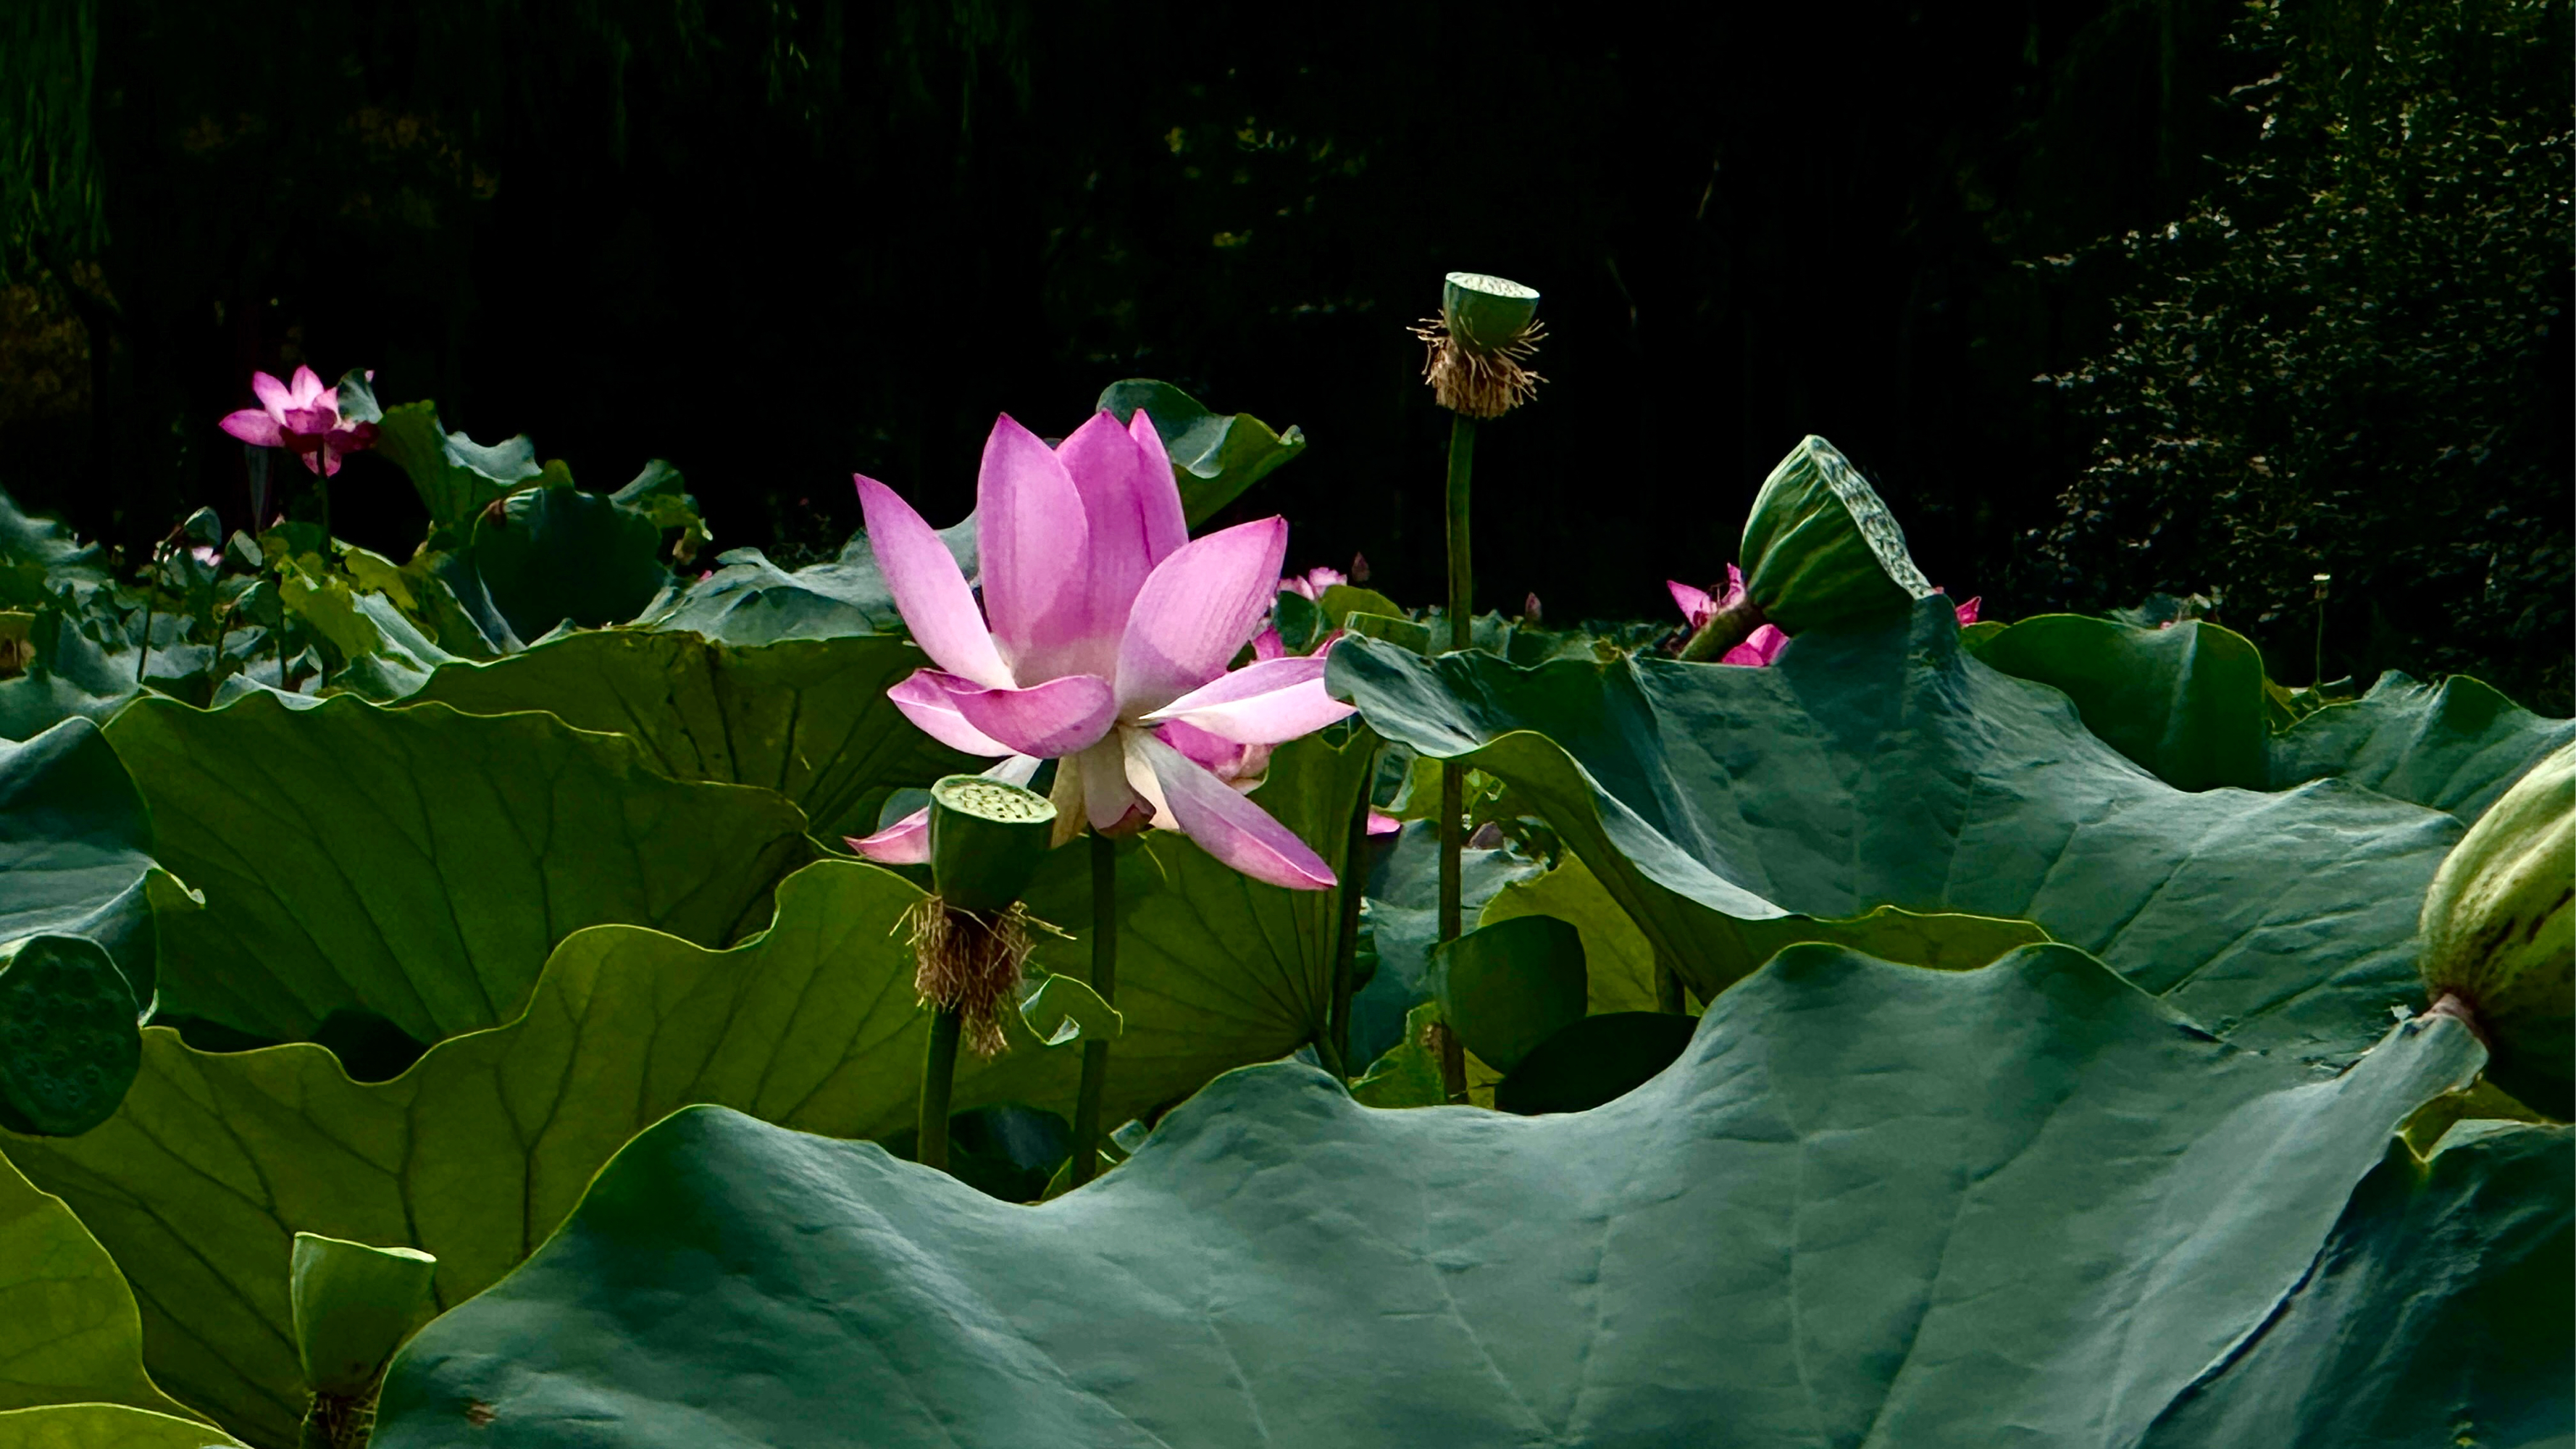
<point x="2499" y="931"/>
<point x="1486" y="330"/>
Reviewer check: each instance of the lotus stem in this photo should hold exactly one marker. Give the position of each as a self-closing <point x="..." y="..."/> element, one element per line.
<point x="1453" y="775"/>
<point x="938" y="1085"/>
<point x="1104" y="982"/>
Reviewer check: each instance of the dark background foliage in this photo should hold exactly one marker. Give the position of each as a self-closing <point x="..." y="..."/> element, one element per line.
<point x="778" y="242"/>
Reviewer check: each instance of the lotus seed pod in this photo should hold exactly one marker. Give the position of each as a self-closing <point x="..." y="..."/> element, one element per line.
<point x="986" y="840"/>
<point x="353" y="1304"/>
<point x="2499" y="928"/>
<point x="69" y="1046"/>
<point x="1486" y="313"/>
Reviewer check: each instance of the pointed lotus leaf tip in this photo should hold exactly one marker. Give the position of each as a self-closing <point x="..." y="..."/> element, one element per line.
<point x="986" y="839"/>
<point x="353" y="1304"/>
<point x="1487" y="313"/>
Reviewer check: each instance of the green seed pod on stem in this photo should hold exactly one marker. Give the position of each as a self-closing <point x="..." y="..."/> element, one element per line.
<point x="970" y="937"/>
<point x="353" y="1304"/>
<point x="1486" y="331"/>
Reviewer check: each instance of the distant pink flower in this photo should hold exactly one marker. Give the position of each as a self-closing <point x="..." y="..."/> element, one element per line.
<point x="302" y="417"/>
<point x="1312" y="583"/>
<point x="1381" y="823"/>
<point x="1698" y="607"/>
<point x="1763" y="645"/>
<point x="1102" y="644"/>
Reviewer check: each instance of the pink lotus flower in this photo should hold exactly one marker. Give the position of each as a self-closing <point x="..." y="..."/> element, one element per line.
<point x="1102" y="644"/>
<point x="1312" y="583"/>
<point x="301" y="416"/>
<point x="1763" y="645"/>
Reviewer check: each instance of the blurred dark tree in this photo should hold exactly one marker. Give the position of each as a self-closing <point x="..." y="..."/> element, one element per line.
<point x="2350" y="357"/>
<point x="778" y="242"/>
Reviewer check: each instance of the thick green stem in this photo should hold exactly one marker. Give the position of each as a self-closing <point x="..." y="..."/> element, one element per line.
<point x="1453" y="776"/>
<point x="1104" y="981"/>
<point x="938" y="1083"/>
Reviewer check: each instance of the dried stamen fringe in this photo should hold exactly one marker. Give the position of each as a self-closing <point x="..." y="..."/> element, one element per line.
<point x="965" y="963"/>
<point x="1479" y="382"/>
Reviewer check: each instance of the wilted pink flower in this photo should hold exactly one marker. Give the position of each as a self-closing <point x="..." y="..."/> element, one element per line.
<point x="1763" y="645"/>
<point x="302" y="417"/>
<point x="1312" y="583"/>
<point x="1102" y="644"/>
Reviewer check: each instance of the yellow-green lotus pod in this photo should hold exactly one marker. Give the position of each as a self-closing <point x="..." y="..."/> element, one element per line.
<point x="2500" y="933"/>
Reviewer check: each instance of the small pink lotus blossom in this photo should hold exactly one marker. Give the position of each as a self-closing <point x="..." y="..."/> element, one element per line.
<point x="1381" y="823"/>
<point x="1312" y="583"/>
<point x="1763" y="645"/>
<point x="301" y="416"/>
<point x="1102" y="643"/>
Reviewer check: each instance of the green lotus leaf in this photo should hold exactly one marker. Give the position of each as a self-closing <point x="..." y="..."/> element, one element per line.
<point x="1508" y="986"/>
<point x="1215" y="456"/>
<point x="2442" y="1311"/>
<point x="2454" y="746"/>
<point x="1882" y="765"/>
<point x="76" y="850"/>
<point x="1596" y="1060"/>
<point x="1871" y="1203"/>
<point x="749" y="600"/>
<point x="457" y="478"/>
<point x="417" y="864"/>
<point x="807" y="718"/>
<point x="216" y="1161"/>
<point x="1620" y="962"/>
<point x="68" y="1330"/>
<point x="103" y="1426"/>
<point x="555" y="555"/>
<point x="2185" y="701"/>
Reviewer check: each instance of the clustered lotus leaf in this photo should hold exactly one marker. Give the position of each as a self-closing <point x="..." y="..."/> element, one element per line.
<point x="1950" y="1032"/>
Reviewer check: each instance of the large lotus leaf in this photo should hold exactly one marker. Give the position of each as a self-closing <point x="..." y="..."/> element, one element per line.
<point x="74" y="675"/>
<point x="555" y="555"/>
<point x="1821" y="549"/>
<point x="419" y="863"/>
<point x="1215" y="456"/>
<point x="2442" y="1311"/>
<point x="749" y="600"/>
<point x="457" y="478"/>
<point x="1871" y="1204"/>
<point x="2186" y="701"/>
<point x="2453" y="746"/>
<point x="103" y="1426"/>
<point x="1622" y="960"/>
<point x="75" y="849"/>
<point x="808" y="718"/>
<point x="39" y="556"/>
<point x="201" y="1180"/>
<point x="1884" y="766"/>
<point x="68" y="1329"/>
